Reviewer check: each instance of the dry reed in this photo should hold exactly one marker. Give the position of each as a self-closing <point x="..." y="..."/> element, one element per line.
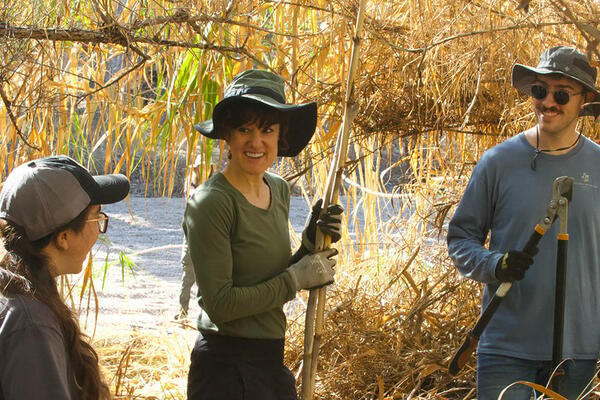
<point x="118" y="86"/>
<point x="147" y="365"/>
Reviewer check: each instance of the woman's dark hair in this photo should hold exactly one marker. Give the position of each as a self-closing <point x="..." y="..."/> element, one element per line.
<point x="24" y="270"/>
<point x="247" y="112"/>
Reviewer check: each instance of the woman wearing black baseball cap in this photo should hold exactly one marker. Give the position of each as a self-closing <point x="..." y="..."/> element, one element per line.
<point x="50" y="217"/>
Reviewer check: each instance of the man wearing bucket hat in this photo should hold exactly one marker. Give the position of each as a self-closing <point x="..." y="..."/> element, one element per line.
<point x="50" y="217"/>
<point x="236" y="226"/>
<point x="509" y="189"/>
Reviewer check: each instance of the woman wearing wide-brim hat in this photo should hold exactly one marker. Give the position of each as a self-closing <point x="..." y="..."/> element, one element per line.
<point x="236" y="225"/>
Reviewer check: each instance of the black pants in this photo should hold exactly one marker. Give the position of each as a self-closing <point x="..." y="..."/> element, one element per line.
<point x="232" y="368"/>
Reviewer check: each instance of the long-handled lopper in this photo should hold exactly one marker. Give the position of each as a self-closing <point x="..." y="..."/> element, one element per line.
<point x="562" y="191"/>
<point x="559" y="294"/>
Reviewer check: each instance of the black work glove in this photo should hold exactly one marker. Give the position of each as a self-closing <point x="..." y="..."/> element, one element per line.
<point x="512" y="266"/>
<point x="330" y="223"/>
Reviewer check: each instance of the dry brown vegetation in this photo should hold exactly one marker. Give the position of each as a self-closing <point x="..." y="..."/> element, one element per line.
<point x="118" y="84"/>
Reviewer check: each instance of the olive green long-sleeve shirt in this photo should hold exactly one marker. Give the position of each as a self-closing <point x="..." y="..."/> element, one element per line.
<point x="240" y="255"/>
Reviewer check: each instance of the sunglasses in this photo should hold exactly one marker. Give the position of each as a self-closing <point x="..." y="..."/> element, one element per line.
<point x="561" y="97"/>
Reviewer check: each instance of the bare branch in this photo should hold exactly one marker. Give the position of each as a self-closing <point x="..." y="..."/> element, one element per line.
<point x="7" y="104"/>
<point x="588" y="29"/>
<point x="105" y="37"/>
<point x="181" y="16"/>
<point x="517" y="26"/>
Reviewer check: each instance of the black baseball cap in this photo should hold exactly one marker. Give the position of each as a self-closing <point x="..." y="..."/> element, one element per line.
<point x="46" y="194"/>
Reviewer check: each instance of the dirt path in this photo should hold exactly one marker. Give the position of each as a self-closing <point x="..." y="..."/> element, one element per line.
<point x="148" y="232"/>
<point x="152" y="239"/>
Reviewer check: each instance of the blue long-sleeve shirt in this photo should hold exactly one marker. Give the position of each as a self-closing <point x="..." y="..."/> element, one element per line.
<point x="506" y="198"/>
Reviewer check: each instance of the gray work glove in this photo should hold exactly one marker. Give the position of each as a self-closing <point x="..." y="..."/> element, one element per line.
<point x="314" y="270"/>
<point x="330" y="223"/>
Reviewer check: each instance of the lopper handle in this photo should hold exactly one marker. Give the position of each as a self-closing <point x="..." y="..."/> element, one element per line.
<point x="559" y="309"/>
<point x="533" y="240"/>
<point x="463" y="354"/>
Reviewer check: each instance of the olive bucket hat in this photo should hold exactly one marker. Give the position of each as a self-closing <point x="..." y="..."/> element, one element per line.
<point x="565" y="61"/>
<point x="269" y="89"/>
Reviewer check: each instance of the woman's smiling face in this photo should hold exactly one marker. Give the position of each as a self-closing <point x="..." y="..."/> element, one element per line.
<point x="253" y="148"/>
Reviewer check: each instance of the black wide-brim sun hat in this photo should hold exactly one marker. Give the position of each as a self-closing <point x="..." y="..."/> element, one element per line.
<point x="267" y="88"/>
<point x="566" y="61"/>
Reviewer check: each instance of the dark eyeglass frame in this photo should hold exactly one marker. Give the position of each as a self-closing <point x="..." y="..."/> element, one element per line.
<point x="102" y="222"/>
<point x="561" y="96"/>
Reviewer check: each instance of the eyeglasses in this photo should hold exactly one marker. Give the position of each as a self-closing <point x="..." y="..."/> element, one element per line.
<point x="102" y="222"/>
<point x="561" y="97"/>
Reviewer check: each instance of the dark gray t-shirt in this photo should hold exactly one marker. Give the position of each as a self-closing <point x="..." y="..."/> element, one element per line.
<point x="33" y="360"/>
<point x="506" y="198"/>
